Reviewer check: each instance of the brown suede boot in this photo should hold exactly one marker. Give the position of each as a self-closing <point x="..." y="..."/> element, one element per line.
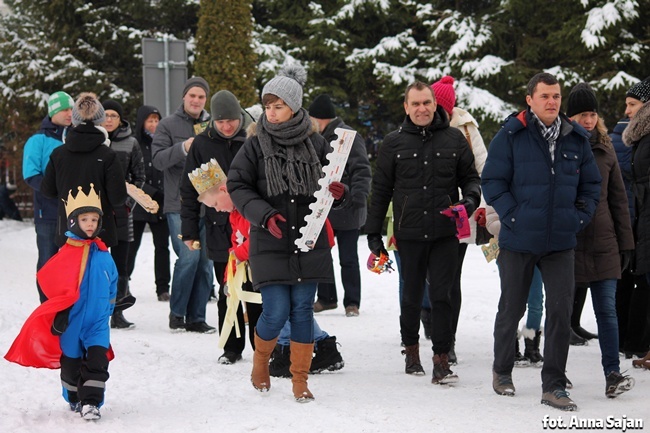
<point x="260" y="376"/>
<point x="301" y="354"/>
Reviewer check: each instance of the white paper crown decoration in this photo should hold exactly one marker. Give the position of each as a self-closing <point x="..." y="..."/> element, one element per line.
<point x="82" y="200"/>
<point x="206" y="176"/>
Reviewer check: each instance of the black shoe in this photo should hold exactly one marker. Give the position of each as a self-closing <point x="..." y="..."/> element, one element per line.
<point x="119" y="322"/>
<point x="163" y="297"/>
<point x="616" y="384"/>
<point x="584" y="333"/>
<point x="281" y="361"/>
<point x="229" y="357"/>
<point x="200" y="327"/>
<point x="327" y="357"/>
<point x="176" y="323"/>
<point x="577" y="340"/>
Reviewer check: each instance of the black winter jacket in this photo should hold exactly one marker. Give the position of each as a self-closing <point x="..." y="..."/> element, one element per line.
<point x="207" y="145"/>
<point x="277" y="261"/>
<point x="357" y="175"/>
<point x="421" y="170"/>
<point x="84" y="158"/>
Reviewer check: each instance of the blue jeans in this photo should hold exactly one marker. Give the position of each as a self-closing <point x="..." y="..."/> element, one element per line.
<point x="45" y="234"/>
<point x="535" y="302"/>
<point x="192" y="280"/>
<point x="285" y="334"/>
<point x="287" y="301"/>
<point x="603" y="297"/>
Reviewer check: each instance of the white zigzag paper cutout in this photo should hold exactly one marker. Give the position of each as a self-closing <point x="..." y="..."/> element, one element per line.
<point x="324" y="200"/>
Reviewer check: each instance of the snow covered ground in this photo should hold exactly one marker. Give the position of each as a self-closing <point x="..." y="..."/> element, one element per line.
<point x="172" y="383"/>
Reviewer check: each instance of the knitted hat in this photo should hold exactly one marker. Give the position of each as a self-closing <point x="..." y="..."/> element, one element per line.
<point x="196" y="82"/>
<point x="224" y="106"/>
<point x="322" y="107"/>
<point x="582" y="98"/>
<point x="88" y="109"/>
<point x="443" y="89"/>
<point x="287" y="85"/>
<point x="115" y="106"/>
<point x="59" y="101"/>
<point x="640" y="91"/>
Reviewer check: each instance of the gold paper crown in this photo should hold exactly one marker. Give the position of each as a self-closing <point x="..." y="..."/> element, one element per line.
<point x="82" y="200"/>
<point x="206" y="176"/>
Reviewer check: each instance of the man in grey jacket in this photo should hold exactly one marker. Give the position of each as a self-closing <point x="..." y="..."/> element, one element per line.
<point x="193" y="278"/>
<point x="349" y="218"/>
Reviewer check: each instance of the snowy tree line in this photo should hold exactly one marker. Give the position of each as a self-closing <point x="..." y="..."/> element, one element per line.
<point x="362" y="52"/>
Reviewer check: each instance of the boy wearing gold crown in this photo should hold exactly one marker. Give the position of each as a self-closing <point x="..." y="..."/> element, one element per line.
<point x="71" y="330"/>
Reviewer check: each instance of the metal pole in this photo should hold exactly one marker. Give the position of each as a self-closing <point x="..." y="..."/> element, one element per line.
<point x="166" y="66"/>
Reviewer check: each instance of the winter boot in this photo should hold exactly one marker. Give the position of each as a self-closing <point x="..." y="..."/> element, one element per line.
<point x="327" y="357"/>
<point x="442" y="375"/>
<point x="413" y="364"/>
<point x="531" y="352"/>
<point x="260" y="375"/>
<point x="280" y="361"/>
<point x="520" y="360"/>
<point x="124" y="298"/>
<point x="616" y="384"/>
<point x="301" y="356"/>
<point x="425" y="317"/>
<point x="118" y="321"/>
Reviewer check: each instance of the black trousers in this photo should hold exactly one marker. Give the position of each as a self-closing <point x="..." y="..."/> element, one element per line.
<point x="437" y="260"/>
<point x="632" y="307"/>
<point x="160" y="233"/>
<point x="84" y="379"/>
<point x="254" y="311"/>
<point x="516" y="271"/>
<point x="350" y="274"/>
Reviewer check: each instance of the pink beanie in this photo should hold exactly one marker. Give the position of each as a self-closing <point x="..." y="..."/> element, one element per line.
<point x="445" y="94"/>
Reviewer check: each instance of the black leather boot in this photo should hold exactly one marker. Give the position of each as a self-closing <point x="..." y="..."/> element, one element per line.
<point x="118" y="321"/>
<point x="124" y="298"/>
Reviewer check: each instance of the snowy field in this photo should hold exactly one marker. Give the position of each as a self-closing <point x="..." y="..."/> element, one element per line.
<point x="164" y="382"/>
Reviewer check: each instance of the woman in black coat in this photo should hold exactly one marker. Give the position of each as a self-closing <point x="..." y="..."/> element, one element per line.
<point x="83" y="159"/>
<point x="272" y="181"/>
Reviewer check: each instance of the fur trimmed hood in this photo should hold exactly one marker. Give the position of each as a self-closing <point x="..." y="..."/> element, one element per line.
<point x="638" y="127"/>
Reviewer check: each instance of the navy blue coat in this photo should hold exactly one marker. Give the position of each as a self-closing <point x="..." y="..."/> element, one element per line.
<point x="535" y="198"/>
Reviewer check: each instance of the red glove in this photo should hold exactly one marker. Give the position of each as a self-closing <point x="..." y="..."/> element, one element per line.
<point x="337" y="189"/>
<point x="479" y="216"/>
<point x="272" y="225"/>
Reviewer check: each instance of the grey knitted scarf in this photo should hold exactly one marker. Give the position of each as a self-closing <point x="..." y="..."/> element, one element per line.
<point x="290" y="161"/>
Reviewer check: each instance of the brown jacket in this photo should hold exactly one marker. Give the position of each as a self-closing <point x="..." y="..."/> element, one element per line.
<point x="609" y="232"/>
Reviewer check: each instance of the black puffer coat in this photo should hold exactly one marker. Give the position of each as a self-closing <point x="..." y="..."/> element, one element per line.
<point x="154" y="181"/>
<point x="85" y="158"/>
<point x="357" y="175"/>
<point x="637" y="134"/>
<point x="207" y="145"/>
<point x="130" y="157"/>
<point x="421" y="170"/>
<point x="277" y="261"/>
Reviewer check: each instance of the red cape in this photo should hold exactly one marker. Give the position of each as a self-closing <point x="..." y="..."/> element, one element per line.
<point x="59" y="279"/>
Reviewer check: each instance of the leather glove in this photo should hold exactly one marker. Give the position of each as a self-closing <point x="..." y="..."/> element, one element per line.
<point x="376" y="244"/>
<point x="272" y="225"/>
<point x="626" y="259"/>
<point x="337" y="189"/>
<point x="470" y="207"/>
<point x="580" y="204"/>
<point x="479" y="216"/>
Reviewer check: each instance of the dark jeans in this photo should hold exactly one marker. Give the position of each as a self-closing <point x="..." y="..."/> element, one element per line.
<point x="438" y="260"/>
<point x="516" y="271"/>
<point x="350" y="275"/>
<point x="160" y="233"/>
<point x="45" y="234"/>
<point x="234" y="344"/>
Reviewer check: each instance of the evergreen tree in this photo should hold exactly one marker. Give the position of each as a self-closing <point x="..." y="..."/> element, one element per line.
<point x="224" y="53"/>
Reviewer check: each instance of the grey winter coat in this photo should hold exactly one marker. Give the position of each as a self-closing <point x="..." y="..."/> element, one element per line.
<point x="169" y="154"/>
<point x="357" y="176"/>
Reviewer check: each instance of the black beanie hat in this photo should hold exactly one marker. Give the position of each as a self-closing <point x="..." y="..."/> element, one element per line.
<point x="322" y="107"/>
<point x="581" y="99"/>
<point x="115" y="106"/>
<point x="73" y="221"/>
<point x="196" y="82"/>
<point x="640" y="91"/>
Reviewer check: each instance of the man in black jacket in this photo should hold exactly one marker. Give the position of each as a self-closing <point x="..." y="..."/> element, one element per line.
<point x="350" y="217"/>
<point x="420" y="167"/>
